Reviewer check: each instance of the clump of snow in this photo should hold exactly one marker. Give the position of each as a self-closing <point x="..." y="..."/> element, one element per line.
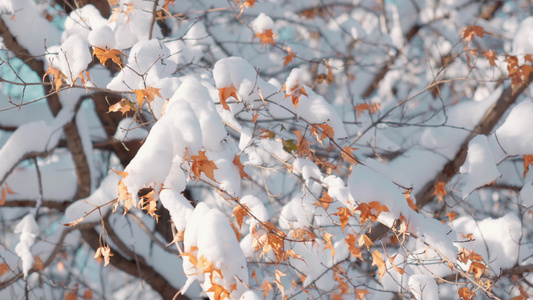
<point x="515" y="135"/>
<point x="74" y="56"/>
<point x="82" y="20"/>
<point x="102" y="37"/>
<point x="128" y="129"/>
<point x="523" y="38"/>
<point x="294" y="81"/>
<point x="178" y="206"/>
<point x="262" y="23"/>
<point x="479" y="165"/>
<point x="28" y="230"/>
<point x="423" y="287"/>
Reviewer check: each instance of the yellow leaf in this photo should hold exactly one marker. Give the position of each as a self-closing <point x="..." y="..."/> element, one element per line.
<point x="123" y="106"/>
<point x="366" y="241"/>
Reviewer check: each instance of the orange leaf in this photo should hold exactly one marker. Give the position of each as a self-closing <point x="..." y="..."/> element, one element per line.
<point x="266" y="287"/>
<point x="74" y="223"/>
<point x="360" y="293"/>
<point x="304" y="146"/>
<point x="440" y="190"/>
<point x="366" y="241"/>
<point x="202" y="165"/>
<point x="326" y="131"/>
<point x="88" y="295"/>
<point x="452" y="215"/>
<point x="149" y="93"/>
<point x="289" y="56"/>
<point x="396" y="268"/>
<point x="278" y="276"/>
<point x="3" y="197"/>
<point x="105" y="54"/>
<point x="327" y="239"/>
<point x="377" y="260"/>
<point x="225" y="93"/>
<point x="123" y="106"/>
<point x="245" y="4"/>
<point x="325" y="201"/>
<point x="372" y="108"/>
<point x="303" y="234"/>
<point x="58" y="75"/>
<point x="477" y="268"/>
<point x="295" y="94"/>
<point x="469" y="32"/>
<point x="528" y="160"/>
<point x="465" y="293"/>
<point x="219" y="291"/>
<point x="344" y="215"/>
<point x="239" y="212"/>
<point x="371" y="210"/>
<point x="350" y="241"/>
<point x="266" y="37"/>
<point x="347" y="155"/>
<point x="240" y="166"/>
<point x="491" y="56"/>
<point x="3" y="268"/>
<point x="254" y="276"/>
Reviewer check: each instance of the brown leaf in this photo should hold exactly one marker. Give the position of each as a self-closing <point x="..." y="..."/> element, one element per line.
<point x="451" y="215"/>
<point x="289" y="56"/>
<point x="350" y="241"/>
<point x="304" y="146"/>
<point x="361" y="293"/>
<point x="491" y="56"/>
<point x="266" y="37"/>
<point x="344" y="215"/>
<point x="266" y="287"/>
<point x="240" y="166"/>
<point x="225" y="93"/>
<point x="239" y="212"/>
<point x="477" y="268"/>
<point x="364" y="240"/>
<point x="278" y="276"/>
<point x="3" y="268"/>
<point x="242" y="4"/>
<point x="104" y="54"/>
<point x="148" y="93"/>
<point x="325" y="201"/>
<point x="440" y="190"/>
<point x="347" y="155"/>
<point x="465" y="293"/>
<point x="528" y="160"/>
<point x="74" y="223"/>
<point x="469" y="32"/>
<point x="123" y="106"/>
<point x="88" y="295"/>
<point x="57" y="75"/>
<point x="372" y="108"/>
<point x="325" y="131"/>
<point x="328" y="245"/>
<point x="200" y="164"/>
<point x="377" y="260"/>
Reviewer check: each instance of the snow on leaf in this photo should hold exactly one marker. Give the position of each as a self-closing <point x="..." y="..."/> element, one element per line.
<point x="200" y="164"/>
<point x="266" y="37"/>
<point x="440" y="190"/>
<point x="491" y="57"/>
<point x="148" y="93"/>
<point x="104" y="54"/>
<point x="148" y="202"/>
<point x="528" y="160"/>
<point x="344" y="215"/>
<point x="57" y="75"/>
<point x="295" y="94"/>
<point x="328" y="245"/>
<point x="377" y="260"/>
<point x="240" y="166"/>
<point x="465" y="293"/>
<point x="225" y="93"/>
<point x="123" y="106"/>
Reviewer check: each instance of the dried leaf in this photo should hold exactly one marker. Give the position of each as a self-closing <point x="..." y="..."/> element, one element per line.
<point x="200" y="164"/>
<point x="148" y="93"/>
<point x="239" y="212"/>
<point x="123" y="106"/>
<point x="477" y="268"/>
<point x="88" y="295"/>
<point x="325" y="201"/>
<point x="440" y="190"/>
<point x="266" y="287"/>
<point x="104" y="54"/>
<point x="360" y="108"/>
<point x="361" y="293"/>
<point x="350" y="241"/>
<point x="491" y="57"/>
<point x="278" y="274"/>
<point x="528" y="160"/>
<point x="240" y="166"/>
<point x="289" y="57"/>
<point x="328" y="245"/>
<point x="364" y="240"/>
<point x="377" y="260"/>
<point x="304" y="146"/>
<point x="105" y="252"/>
<point x="242" y="4"/>
<point x="344" y="215"/>
<point x="225" y="93"/>
<point x="325" y="131"/>
<point x="3" y="268"/>
<point x="347" y="155"/>
<point x="266" y="37"/>
<point x="469" y="32"/>
<point x="219" y="292"/>
<point x="57" y="75"/>
<point x="465" y="293"/>
<point x="74" y="223"/>
<point x="451" y="215"/>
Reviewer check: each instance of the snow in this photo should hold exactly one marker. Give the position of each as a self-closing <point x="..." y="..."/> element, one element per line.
<point x="128" y="130"/>
<point x="102" y="37"/>
<point x="479" y="165"/>
<point x="28" y="230"/>
<point x="179" y="207"/>
<point x="423" y="287"/>
<point x="523" y="38"/>
<point x="263" y="23"/>
<point x="515" y="136"/>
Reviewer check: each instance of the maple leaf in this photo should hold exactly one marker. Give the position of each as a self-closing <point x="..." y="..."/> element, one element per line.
<point x="219" y="292"/>
<point x="440" y="190"/>
<point x="203" y="165"/>
<point x="350" y="241"/>
<point x="289" y="57"/>
<point x="465" y="293"/>
<point x="266" y="287"/>
<point x="360" y="108"/>
<point x="347" y="155"/>
<point x="364" y="240"/>
<point x="325" y="131"/>
<point x="451" y="215"/>
<point x="328" y="245"/>
<point x="149" y="203"/>
<point x="528" y="160"/>
<point x="469" y="32"/>
<point x="477" y="268"/>
<point x="105" y="252"/>
<point x="123" y="106"/>
<point x="104" y="54"/>
<point x="225" y="93"/>
<point x="148" y="93"/>
<point x="295" y="94"/>
<point x="239" y="212"/>
<point x="278" y="274"/>
<point x="371" y="210"/>
<point x="377" y="260"/>
<point x="344" y="214"/>
<point x="491" y="56"/>
<point x="266" y="37"/>
<point x="240" y="166"/>
<point x="325" y="201"/>
<point x="57" y="75"/>
<point x="396" y="268"/>
<point x="304" y="146"/>
<point x="303" y="234"/>
<point x="361" y="293"/>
